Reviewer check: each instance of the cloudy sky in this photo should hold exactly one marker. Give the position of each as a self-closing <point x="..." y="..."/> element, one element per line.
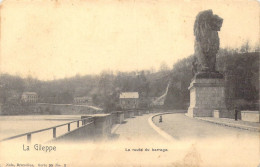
<point x="51" y="39"/>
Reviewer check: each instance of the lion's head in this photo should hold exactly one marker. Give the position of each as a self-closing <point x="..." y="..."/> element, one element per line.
<point x="205" y="22"/>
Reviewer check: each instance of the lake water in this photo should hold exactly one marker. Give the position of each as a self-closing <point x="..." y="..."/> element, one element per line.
<point x="15" y="125"/>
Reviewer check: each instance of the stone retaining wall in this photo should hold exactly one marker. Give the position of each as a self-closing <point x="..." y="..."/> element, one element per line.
<point x="67" y="109"/>
<point x="100" y="128"/>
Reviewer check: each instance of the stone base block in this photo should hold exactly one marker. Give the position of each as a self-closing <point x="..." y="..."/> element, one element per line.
<point x="223" y="114"/>
<point x="250" y="116"/>
<point x="199" y="112"/>
<point x="216" y="114"/>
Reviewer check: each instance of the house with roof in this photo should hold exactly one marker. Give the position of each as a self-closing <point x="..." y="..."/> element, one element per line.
<point x="129" y="100"/>
<point x="29" y="97"/>
<point x="82" y="100"/>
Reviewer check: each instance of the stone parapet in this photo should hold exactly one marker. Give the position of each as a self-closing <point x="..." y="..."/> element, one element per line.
<point x="250" y="116"/>
<point x="102" y="124"/>
<point x="131" y="113"/>
<point x="136" y="113"/>
<point x="98" y="127"/>
<point x="83" y="133"/>
<point x="140" y="112"/>
<point x="126" y="114"/>
<point x="117" y="117"/>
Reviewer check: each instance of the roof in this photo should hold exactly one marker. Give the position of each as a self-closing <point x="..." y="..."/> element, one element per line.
<point x="84" y="97"/>
<point x="129" y="95"/>
<point x="30" y="93"/>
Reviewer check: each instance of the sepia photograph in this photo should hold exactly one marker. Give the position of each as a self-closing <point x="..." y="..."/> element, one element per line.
<point x="129" y="83"/>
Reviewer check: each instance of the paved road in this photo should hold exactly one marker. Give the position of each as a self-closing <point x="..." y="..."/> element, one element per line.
<point x="137" y="128"/>
<point x="181" y="127"/>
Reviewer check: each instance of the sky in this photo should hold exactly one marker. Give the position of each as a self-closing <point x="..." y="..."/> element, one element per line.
<point x="52" y="39"/>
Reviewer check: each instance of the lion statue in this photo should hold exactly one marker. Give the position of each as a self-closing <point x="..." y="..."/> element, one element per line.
<point x="206" y="46"/>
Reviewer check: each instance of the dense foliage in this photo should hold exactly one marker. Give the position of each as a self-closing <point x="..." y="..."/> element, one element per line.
<point x="104" y="89"/>
<point x="241" y="71"/>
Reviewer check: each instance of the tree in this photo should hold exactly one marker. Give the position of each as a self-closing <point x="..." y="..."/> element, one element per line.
<point x="164" y="67"/>
<point x="245" y="48"/>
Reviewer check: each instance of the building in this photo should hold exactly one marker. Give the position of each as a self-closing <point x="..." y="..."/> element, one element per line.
<point x="82" y="100"/>
<point x="29" y="97"/>
<point x="129" y="100"/>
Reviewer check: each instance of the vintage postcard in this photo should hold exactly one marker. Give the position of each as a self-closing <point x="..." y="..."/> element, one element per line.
<point x="111" y="83"/>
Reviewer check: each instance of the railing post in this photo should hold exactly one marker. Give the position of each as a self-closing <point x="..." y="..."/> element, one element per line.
<point x="29" y="138"/>
<point x="77" y="123"/>
<point x="68" y="127"/>
<point x="54" y="132"/>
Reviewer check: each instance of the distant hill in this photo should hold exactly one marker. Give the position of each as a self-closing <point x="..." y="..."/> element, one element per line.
<point x="104" y="89"/>
<point x="241" y="72"/>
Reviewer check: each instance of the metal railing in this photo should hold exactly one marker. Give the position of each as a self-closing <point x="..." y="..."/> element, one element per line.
<point x="84" y="122"/>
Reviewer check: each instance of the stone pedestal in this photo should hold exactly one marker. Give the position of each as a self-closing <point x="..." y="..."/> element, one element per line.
<point x="206" y="95"/>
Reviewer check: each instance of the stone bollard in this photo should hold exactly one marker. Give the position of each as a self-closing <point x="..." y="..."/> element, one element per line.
<point x="160" y="120"/>
<point x="120" y="117"/>
<point x="216" y="114"/>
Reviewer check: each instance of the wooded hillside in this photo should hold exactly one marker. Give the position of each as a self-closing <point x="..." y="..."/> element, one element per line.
<point x="241" y="70"/>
